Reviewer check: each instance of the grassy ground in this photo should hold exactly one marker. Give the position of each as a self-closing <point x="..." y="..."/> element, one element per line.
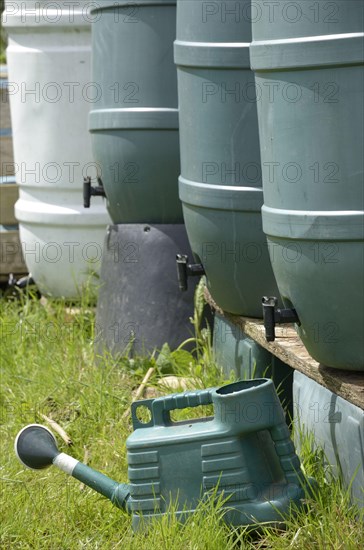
<point x="48" y="367"/>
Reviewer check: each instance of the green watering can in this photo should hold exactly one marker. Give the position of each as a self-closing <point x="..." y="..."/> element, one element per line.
<point x="244" y="451"/>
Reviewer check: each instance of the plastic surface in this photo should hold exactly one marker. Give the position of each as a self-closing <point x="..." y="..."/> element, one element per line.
<point x="134" y="123"/>
<point x="118" y="493"/>
<point x="139" y="299"/>
<point x="309" y="73"/>
<point x="236" y="353"/>
<point x="337" y="426"/>
<point x="220" y="185"/>
<point x="36" y="447"/>
<point x="49" y="64"/>
<point x="245" y="449"/>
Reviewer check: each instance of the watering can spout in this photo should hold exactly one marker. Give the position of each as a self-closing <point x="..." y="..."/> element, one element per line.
<point x="36" y="448"/>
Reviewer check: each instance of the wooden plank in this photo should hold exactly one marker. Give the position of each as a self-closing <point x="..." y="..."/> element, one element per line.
<point x="9" y="194"/>
<point x="7" y="166"/>
<point x="5" y="106"/>
<point x="289" y="348"/>
<point x="6" y="143"/>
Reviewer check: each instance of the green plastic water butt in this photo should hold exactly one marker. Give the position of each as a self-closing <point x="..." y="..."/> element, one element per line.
<point x="308" y="63"/>
<point x="220" y="184"/>
<point x="134" y="122"/>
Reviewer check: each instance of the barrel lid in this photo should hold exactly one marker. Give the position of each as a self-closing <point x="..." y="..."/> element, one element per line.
<point x="220" y="197"/>
<point x="311" y="225"/>
<point x="212" y="54"/>
<point x="107" y="4"/>
<point x="313" y="51"/>
<point x="141" y="118"/>
<point x="51" y="19"/>
<point x="42" y="213"/>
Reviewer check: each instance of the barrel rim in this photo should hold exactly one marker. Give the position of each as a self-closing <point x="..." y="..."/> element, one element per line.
<point x="313" y="225"/>
<point x="17" y="22"/>
<point x="128" y="3"/>
<point x="306" y="52"/>
<point x="224" y="55"/>
<point x="142" y="118"/>
<point x="220" y="197"/>
<point x="40" y="213"/>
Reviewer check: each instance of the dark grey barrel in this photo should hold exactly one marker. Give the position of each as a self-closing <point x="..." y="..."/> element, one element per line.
<point x="308" y="62"/>
<point x="140" y="307"/>
<point x="134" y="122"/>
<point x="220" y="183"/>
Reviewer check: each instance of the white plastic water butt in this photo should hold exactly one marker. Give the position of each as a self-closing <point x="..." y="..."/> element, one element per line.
<point x="51" y="93"/>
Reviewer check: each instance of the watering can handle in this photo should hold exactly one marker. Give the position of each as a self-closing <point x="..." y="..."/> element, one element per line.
<point x="191" y="398"/>
<point x="159" y="408"/>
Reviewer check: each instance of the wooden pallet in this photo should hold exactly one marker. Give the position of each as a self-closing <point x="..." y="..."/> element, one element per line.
<point x="289" y="348"/>
<point x="11" y="258"/>
<point x="6" y="143"/>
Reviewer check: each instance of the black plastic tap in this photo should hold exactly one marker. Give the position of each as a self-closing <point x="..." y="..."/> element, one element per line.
<point x="185" y="270"/>
<point x="273" y="316"/>
<point x="89" y="191"/>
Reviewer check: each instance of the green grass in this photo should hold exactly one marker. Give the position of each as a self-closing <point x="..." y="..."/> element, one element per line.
<point x="48" y="366"/>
